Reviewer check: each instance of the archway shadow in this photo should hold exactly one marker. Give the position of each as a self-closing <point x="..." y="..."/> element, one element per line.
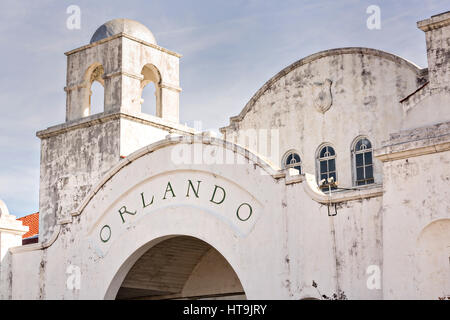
<point x="176" y="267"/>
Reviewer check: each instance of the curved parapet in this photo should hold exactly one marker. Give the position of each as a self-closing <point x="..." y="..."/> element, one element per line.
<point x="332" y="96"/>
<point x="316" y="56"/>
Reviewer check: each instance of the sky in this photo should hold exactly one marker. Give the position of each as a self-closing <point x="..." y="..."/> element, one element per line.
<point x="230" y="49"/>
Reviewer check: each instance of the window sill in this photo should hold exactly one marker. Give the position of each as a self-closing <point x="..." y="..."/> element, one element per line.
<point x="367" y="191"/>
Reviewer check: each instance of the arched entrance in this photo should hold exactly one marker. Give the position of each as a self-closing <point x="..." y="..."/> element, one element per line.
<point x="181" y="267"/>
<point x="149" y="199"/>
<point x="432" y="261"/>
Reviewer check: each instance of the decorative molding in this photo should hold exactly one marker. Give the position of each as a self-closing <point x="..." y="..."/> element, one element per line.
<point x="293" y="177"/>
<point x="415" y="142"/>
<point x="408" y="103"/>
<point x="76" y="87"/>
<point x="39" y="245"/>
<point x="415" y="97"/>
<point x="322" y="96"/>
<point x="114" y="115"/>
<point x="164" y="85"/>
<point x="13" y="230"/>
<point x="312" y="189"/>
<point x="435" y="22"/>
<point x="139" y="77"/>
<point x="124" y="35"/>
<point x="390" y="154"/>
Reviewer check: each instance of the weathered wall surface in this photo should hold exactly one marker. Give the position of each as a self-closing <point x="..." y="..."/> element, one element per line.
<point x="437" y="34"/>
<point x="29" y="281"/>
<point x="75" y="156"/>
<point x="366" y="87"/>
<point x="416" y="166"/>
<point x="334" y="252"/>
<point x="416" y="194"/>
<point x="135" y="135"/>
<point x="431" y="104"/>
<point x="431" y="260"/>
<point x="287" y="242"/>
<point x="71" y="162"/>
<point x="425" y="108"/>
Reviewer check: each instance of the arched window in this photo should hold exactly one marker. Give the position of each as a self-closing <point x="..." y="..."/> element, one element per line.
<point x="363" y="164"/>
<point x="292" y="160"/>
<point x="327" y="164"/>
<point x="151" y="90"/>
<point x="148" y="102"/>
<point x="93" y="92"/>
<point x="97" y="98"/>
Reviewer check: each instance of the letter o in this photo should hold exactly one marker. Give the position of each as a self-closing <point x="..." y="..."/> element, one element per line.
<point x="109" y="233"/>
<point x="239" y="208"/>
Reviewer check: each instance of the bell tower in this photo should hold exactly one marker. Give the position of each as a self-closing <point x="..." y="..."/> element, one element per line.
<point x="123" y="57"/>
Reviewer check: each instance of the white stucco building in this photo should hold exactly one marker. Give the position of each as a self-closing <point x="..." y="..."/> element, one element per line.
<point x="134" y="205"/>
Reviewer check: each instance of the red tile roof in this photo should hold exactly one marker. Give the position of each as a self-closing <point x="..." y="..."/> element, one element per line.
<point x="32" y="221"/>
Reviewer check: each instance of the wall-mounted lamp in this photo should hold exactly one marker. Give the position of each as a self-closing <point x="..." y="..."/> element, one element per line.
<point x="328" y="184"/>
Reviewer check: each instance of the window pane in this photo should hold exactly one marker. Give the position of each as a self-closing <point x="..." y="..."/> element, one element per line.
<point x="331" y="151"/>
<point x="292" y="159"/>
<point x="370" y="181"/>
<point x="332" y="165"/>
<point x="358" y="145"/>
<point x="333" y="174"/>
<point x="368" y="157"/>
<point x="299" y="168"/>
<point x="322" y="152"/>
<point x="363" y="144"/>
<point x="367" y="143"/>
<point x="369" y="172"/>
<point x="323" y="166"/>
<point x="288" y="159"/>
<point x="359" y="159"/>
<point x="360" y="173"/>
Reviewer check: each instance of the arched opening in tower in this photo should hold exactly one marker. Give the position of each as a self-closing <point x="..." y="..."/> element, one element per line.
<point x="151" y="90"/>
<point x="97" y="98"/>
<point x="149" y="99"/>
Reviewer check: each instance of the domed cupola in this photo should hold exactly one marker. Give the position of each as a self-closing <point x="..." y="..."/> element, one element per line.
<point x="130" y="27"/>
